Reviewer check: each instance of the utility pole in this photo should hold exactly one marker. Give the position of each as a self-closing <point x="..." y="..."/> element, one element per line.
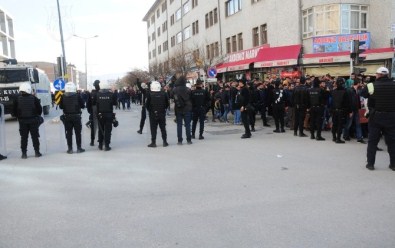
<point x="62" y="42"/>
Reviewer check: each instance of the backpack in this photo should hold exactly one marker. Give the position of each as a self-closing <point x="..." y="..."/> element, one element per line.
<point x="179" y="101"/>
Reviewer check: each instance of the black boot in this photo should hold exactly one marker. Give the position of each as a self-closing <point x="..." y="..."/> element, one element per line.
<point x="37" y="154"/>
<point x="165" y="143"/>
<point x="80" y="150"/>
<point x="153" y="144"/>
<point x="70" y="150"/>
<point x="24" y="155"/>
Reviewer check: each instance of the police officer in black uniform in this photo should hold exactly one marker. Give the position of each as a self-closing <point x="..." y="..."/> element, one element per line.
<point x="2" y="156"/>
<point x="143" y="87"/>
<point x="340" y="109"/>
<point x="157" y="103"/>
<point x="105" y="101"/>
<point x="382" y="117"/>
<point x="72" y="103"/>
<point x="300" y="102"/>
<point x="279" y="98"/>
<point x="200" y="100"/>
<point x="92" y="110"/>
<point x="316" y="105"/>
<point x="245" y="108"/>
<point x="27" y="109"/>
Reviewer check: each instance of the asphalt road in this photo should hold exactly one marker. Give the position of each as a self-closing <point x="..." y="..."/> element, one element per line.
<point x="273" y="190"/>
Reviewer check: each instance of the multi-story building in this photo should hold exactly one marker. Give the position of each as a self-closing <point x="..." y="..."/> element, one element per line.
<point x="254" y="38"/>
<point x="7" y="42"/>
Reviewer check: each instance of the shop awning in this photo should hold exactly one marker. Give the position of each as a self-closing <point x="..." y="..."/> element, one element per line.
<point x="278" y="56"/>
<point x="339" y="57"/>
<point x="240" y="61"/>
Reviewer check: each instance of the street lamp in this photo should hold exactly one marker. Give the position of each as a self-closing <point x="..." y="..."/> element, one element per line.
<point x="86" y="59"/>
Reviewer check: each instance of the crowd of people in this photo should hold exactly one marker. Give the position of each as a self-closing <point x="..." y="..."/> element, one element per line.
<point x="350" y="108"/>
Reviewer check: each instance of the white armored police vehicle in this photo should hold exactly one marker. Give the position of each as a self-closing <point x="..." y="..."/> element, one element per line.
<point x="13" y="75"/>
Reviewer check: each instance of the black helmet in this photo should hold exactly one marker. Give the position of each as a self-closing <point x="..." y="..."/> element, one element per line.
<point x="96" y="84"/>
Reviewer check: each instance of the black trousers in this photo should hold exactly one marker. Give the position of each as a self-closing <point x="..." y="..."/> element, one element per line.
<point x="143" y="117"/>
<point x="199" y="114"/>
<point x="155" y="121"/>
<point x="300" y="114"/>
<point x="93" y="118"/>
<point x="245" y="118"/>
<point x="105" y="128"/>
<point x="263" y="114"/>
<point x="27" y="126"/>
<point x="278" y="115"/>
<point x="338" y="121"/>
<point x="252" y="114"/>
<point x="73" y="122"/>
<point x="381" y="122"/>
<point x="316" y="119"/>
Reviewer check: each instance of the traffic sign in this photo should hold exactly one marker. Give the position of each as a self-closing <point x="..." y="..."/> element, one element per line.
<point x="58" y="96"/>
<point x="59" y="84"/>
<point x="212" y="72"/>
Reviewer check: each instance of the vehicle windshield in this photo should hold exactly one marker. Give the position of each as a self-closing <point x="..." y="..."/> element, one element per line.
<point x="13" y="76"/>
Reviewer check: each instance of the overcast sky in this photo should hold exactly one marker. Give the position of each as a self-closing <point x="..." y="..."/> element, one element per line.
<point x="121" y="44"/>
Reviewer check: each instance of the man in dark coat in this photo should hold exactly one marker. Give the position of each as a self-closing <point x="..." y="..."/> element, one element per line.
<point x="183" y="109"/>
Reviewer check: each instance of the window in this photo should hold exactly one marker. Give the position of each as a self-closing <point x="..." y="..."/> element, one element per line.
<point x="215" y="15"/>
<point x="207" y="21"/>
<point x="159" y="49"/>
<point x="158" y="32"/>
<point x="187" y="33"/>
<point x="149" y="55"/>
<point x="173" y="41"/>
<point x="194" y="3"/>
<point x="153" y="36"/>
<point x="164" y="26"/>
<point x="354" y="18"/>
<point x="255" y="37"/>
<point x="164" y="6"/>
<point x="232" y="7"/>
<point x="195" y="27"/>
<point x="212" y="48"/>
<point x="240" y="41"/>
<point x="149" y="39"/>
<point x="216" y="49"/>
<point x="186" y="7"/>
<point x="153" y="19"/>
<point x="234" y="44"/>
<point x="334" y="19"/>
<point x="154" y="53"/>
<point x="208" y="51"/>
<point x="157" y="13"/>
<point x="165" y="46"/>
<point x="178" y="14"/>
<point x="228" y="46"/>
<point x="172" y="19"/>
<point x="179" y="38"/>
<point x="171" y="1"/>
<point x="263" y="34"/>
<point x="308" y="24"/>
<point x="211" y="17"/>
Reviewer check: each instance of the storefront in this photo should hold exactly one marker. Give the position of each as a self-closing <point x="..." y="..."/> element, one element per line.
<point x="260" y="62"/>
<point x="338" y="63"/>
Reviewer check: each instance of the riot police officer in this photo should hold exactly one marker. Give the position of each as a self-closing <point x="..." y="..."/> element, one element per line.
<point x="340" y="109"/>
<point x="157" y="103"/>
<point x="382" y="117"/>
<point x="105" y="101"/>
<point x="316" y="105"/>
<point x="92" y="110"/>
<point x="200" y="100"/>
<point x="300" y="100"/>
<point x="72" y="103"/>
<point x="27" y="109"/>
<point x="2" y="156"/>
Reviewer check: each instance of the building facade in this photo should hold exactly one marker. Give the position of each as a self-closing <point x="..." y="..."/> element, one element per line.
<point x="256" y="38"/>
<point x="7" y="41"/>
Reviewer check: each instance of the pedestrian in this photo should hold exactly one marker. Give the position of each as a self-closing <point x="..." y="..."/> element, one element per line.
<point x="92" y="110"/>
<point x="143" y="87"/>
<point x="157" y="104"/>
<point x="279" y="103"/>
<point x="183" y="109"/>
<point x="381" y="117"/>
<point x="28" y="110"/>
<point x="105" y="102"/>
<point x="200" y="101"/>
<point x="71" y="102"/>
